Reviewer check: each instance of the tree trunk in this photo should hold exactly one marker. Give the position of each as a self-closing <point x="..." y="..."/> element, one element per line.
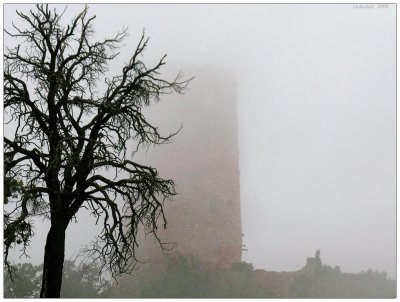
<point x="53" y="262"/>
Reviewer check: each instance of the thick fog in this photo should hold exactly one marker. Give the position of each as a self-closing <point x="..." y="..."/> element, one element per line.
<point x="316" y="117"/>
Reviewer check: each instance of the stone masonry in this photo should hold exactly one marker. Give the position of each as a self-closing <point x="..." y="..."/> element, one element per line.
<point x="203" y="160"/>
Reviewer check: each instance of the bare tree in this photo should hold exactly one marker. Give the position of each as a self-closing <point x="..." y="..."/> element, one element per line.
<point x="69" y="136"/>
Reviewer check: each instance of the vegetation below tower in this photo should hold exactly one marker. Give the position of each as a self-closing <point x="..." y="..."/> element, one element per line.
<point x="188" y="277"/>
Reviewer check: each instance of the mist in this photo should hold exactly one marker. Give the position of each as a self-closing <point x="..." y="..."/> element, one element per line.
<point x="316" y="116"/>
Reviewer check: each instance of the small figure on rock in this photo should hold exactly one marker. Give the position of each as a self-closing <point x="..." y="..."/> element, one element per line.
<point x="317" y="253"/>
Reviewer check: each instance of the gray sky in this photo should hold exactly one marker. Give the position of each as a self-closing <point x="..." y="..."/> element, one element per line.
<point x="316" y="109"/>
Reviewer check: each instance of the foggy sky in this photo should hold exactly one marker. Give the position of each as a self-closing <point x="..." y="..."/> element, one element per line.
<point x="317" y="117"/>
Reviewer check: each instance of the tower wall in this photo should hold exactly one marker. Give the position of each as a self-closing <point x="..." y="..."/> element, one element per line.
<point x="204" y="218"/>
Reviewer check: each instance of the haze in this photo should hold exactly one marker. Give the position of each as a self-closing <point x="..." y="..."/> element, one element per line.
<point x="317" y="115"/>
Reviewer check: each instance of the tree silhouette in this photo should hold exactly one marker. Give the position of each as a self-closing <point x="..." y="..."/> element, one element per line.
<point x="64" y="137"/>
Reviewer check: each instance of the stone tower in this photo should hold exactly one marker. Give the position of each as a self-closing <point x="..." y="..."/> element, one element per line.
<point x="204" y="218"/>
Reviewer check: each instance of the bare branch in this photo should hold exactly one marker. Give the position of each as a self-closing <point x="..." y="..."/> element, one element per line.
<point x="66" y="136"/>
